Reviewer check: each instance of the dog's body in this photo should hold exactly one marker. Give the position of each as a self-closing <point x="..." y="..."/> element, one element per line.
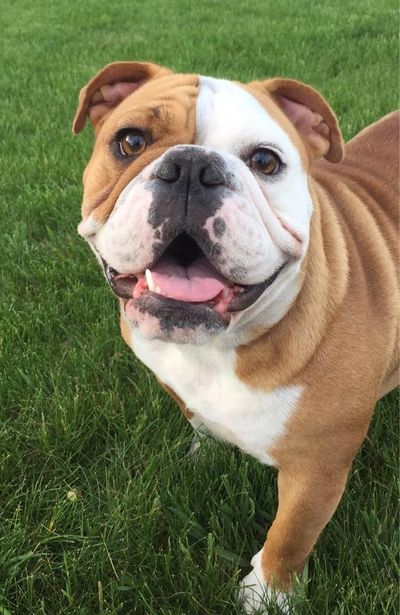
<point x="283" y="344"/>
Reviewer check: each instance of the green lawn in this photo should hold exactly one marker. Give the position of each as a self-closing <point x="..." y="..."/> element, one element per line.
<point x="100" y="511"/>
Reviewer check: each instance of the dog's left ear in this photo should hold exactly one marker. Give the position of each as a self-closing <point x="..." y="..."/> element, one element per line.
<point x="310" y="114"/>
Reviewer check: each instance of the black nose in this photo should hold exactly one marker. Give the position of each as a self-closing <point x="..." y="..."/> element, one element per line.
<point x="189" y="187"/>
<point x="191" y="167"/>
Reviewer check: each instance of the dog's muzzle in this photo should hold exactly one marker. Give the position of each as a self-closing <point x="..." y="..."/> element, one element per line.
<point x="189" y="187"/>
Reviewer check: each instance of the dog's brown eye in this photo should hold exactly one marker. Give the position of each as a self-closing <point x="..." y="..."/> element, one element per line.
<point x="265" y="161"/>
<point x="132" y="143"/>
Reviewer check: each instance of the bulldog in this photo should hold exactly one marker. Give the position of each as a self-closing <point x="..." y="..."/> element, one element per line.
<point x="255" y="262"/>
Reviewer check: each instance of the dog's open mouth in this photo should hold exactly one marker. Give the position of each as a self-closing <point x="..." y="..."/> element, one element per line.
<point x="185" y="275"/>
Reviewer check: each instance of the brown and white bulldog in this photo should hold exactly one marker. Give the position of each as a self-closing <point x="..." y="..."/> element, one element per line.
<point x="257" y="283"/>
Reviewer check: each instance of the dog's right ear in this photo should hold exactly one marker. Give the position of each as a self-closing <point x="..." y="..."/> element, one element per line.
<point x="109" y="87"/>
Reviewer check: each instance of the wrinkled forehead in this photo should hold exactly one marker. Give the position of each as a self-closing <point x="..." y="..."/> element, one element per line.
<point x="231" y="117"/>
<point x="215" y="113"/>
<point x="166" y="105"/>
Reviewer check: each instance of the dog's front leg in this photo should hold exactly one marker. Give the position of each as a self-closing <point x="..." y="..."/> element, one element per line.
<point x="308" y="497"/>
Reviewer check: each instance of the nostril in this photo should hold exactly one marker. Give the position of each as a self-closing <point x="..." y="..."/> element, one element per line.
<point x="211" y="176"/>
<point x="169" y="171"/>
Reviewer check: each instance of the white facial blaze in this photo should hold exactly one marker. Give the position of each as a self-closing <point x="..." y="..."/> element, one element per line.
<point x="264" y="218"/>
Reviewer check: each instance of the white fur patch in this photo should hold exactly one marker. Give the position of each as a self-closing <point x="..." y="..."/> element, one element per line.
<point x="204" y="378"/>
<point x="126" y="239"/>
<point x="255" y="593"/>
<point x="230" y="119"/>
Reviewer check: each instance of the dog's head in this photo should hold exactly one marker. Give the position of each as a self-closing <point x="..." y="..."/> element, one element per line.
<point x="196" y="198"/>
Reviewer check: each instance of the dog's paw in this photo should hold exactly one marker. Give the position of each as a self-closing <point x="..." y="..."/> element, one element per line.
<point x="255" y="594"/>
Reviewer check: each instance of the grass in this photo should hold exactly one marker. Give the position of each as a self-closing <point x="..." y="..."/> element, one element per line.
<point x="100" y="511"/>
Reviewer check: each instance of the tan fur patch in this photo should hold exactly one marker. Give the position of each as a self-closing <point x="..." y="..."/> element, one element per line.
<point x="166" y="108"/>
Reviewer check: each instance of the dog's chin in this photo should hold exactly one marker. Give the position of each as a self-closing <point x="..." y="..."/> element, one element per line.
<point x="169" y="320"/>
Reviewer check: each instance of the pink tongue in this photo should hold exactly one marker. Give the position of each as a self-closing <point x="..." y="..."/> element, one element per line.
<point x="195" y="283"/>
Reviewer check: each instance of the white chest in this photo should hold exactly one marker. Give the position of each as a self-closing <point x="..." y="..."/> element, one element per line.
<point x="204" y="378"/>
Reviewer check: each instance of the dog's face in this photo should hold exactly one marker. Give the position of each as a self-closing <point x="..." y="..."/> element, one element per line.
<point x="196" y="198"/>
